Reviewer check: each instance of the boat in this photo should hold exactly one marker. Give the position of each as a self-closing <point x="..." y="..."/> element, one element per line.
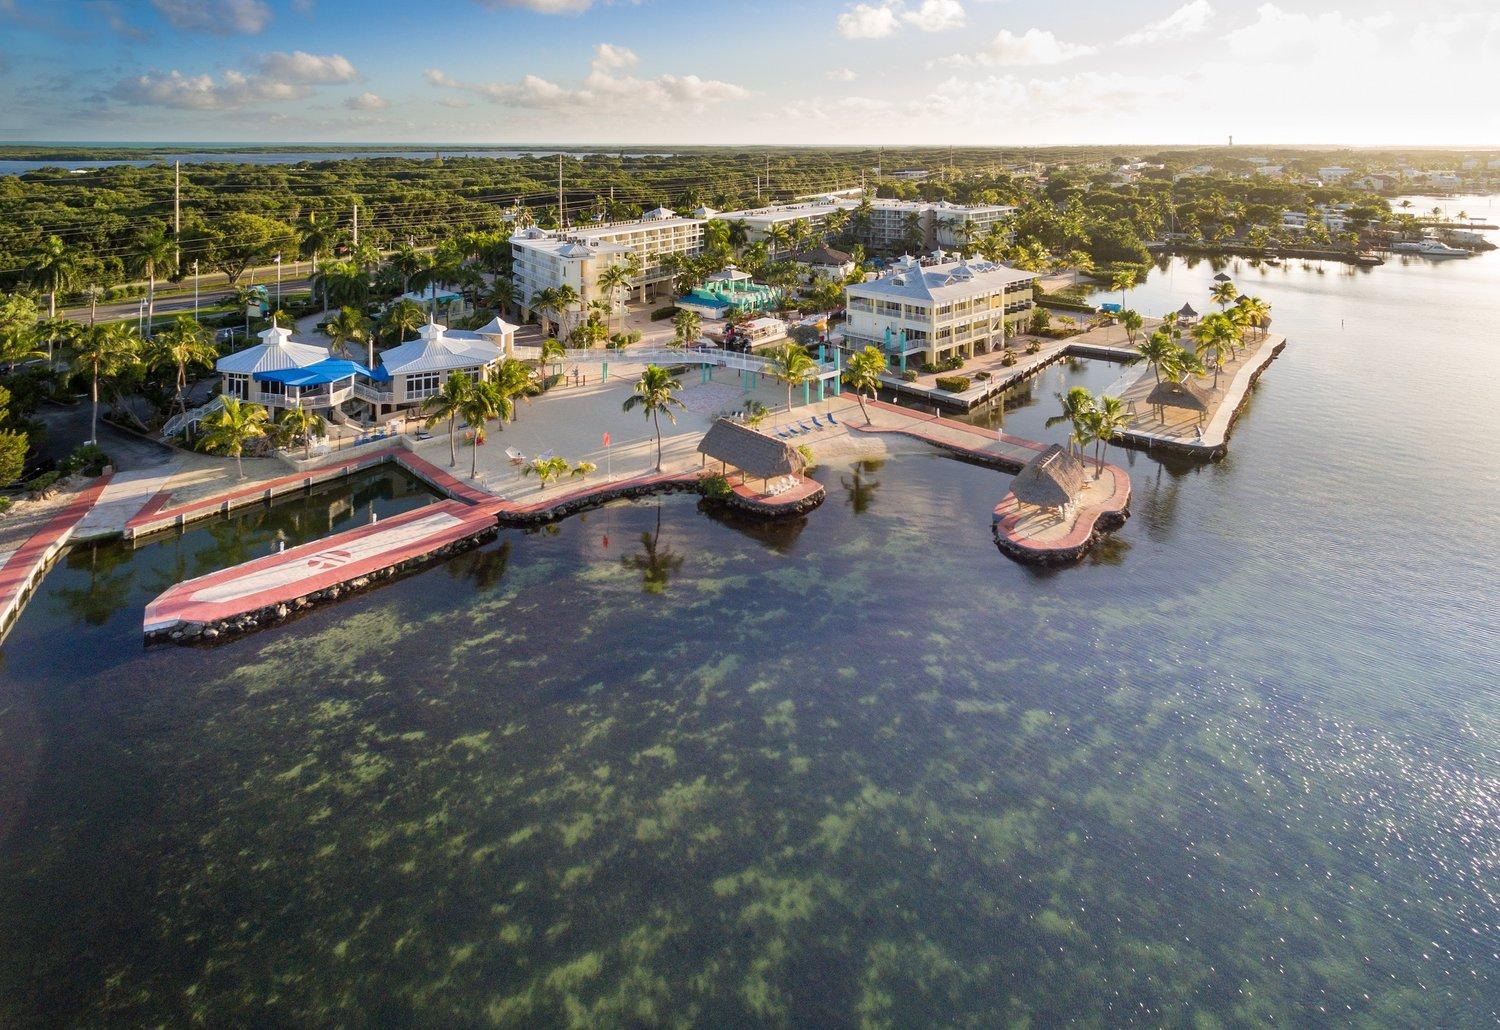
<point x="1428" y="248"/>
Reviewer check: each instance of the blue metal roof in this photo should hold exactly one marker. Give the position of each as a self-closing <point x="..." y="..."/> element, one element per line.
<point x="319" y="373"/>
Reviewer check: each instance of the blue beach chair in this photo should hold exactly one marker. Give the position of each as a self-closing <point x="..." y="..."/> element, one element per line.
<point x="817" y="423"/>
<point x="831" y="420"/>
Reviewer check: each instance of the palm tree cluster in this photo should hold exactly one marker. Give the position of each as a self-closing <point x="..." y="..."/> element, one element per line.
<point x="477" y="400"/>
<point x="1091" y="420"/>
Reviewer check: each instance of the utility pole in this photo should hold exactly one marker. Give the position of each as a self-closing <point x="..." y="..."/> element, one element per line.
<point x="195" y="289"/>
<point x="356" y="225"/>
<point x="562" y="217"/>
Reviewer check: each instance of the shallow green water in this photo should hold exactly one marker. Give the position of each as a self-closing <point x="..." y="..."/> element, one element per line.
<point x="650" y="765"/>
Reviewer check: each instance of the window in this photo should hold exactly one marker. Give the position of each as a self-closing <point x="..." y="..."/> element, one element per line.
<point x="422" y="385"/>
<point x="271" y="388"/>
<point x="237" y="387"/>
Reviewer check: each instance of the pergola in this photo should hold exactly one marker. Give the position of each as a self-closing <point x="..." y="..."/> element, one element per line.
<point x="1169" y="394"/>
<point x="1053" y="479"/>
<point x="753" y="453"/>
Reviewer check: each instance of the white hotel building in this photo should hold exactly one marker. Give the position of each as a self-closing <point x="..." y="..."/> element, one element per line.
<point x="931" y="312"/>
<point x="548" y="258"/>
<point x="934" y="224"/>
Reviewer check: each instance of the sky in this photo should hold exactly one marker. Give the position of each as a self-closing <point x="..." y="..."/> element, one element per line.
<point x="967" y="72"/>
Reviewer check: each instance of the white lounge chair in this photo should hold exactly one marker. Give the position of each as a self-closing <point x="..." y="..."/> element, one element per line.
<point x="515" y="456"/>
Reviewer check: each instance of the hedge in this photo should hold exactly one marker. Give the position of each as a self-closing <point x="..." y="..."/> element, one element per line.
<point x="953" y="384"/>
<point x="666" y="312"/>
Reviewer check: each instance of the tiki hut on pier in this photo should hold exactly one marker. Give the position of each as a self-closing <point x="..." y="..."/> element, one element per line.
<point x="1053" y="479"/>
<point x="1188" y="395"/>
<point x="752" y="452"/>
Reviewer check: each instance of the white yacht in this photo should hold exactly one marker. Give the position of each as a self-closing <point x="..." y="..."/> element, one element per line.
<point x="1429" y="248"/>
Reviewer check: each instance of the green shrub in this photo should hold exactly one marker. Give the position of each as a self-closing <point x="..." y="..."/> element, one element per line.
<point x="715" y="486"/>
<point x="909" y="376"/>
<point x="87" y="458"/>
<point x="953" y="384"/>
<point x="666" y="312"/>
<point x="807" y="455"/>
<point x="12" y="456"/>
<point x="1035" y="347"/>
<point x="4" y="505"/>
<point x="42" y="483"/>
<point x="1009" y="359"/>
<point x="982" y="376"/>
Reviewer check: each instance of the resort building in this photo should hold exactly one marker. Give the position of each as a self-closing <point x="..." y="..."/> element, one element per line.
<point x="934" y="312"/>
<point x="727" y="290"/>
<point x="814" y="214"/>
<point x="256" y="373"/>
<point x="548" y="258"/>
<point x="824" y="262"/>
<point x="416" y="370"/>
<point x="899" y="225"/>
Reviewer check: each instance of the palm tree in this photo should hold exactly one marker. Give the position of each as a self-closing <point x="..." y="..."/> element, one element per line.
<point x="1132" y="321"/>
<point x="1224" y="293"/>
<point x="483" y="400"/>
<point x="1076" y="404"/>
<point x="342" y="284"/>
<point x="552" y="350"/>
<point x="863" y="375"/>
<point x="778" y="238"/>
<point x="445" y="406"/>
<point x="153" y="251"/>
<point x="515" y="379"/>
<point x="185" y="342"/>
<point x="227" y="430"/>
<point x="300" y="424"/>
<point x="1257" y="313"/>
<point x="1121" y="280"/>
<point x="316" y="238"/>
<point x="738" y="233"/>
<point x="501" y="295"/>
<point x="1107" y="419"/>
<point x="402" y="317"/>
<point x="687" y="327"/>
<point x="564" y="297"/>
<point x="792" y="365"/>
<point x="103" y="350"/>
<point x="52" y="270"/>
<point x="542" y="302"/>
<point x="656" y="392"/>
<point x="1182" y="363"/>
<point x="1154" y="350"/>
<point x="1214" y="336"/>
<point x="350" y="326"/>
<point x="613" y="280"/>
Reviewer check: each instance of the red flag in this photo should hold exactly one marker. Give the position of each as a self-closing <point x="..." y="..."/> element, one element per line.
<point x="606" y="439"/>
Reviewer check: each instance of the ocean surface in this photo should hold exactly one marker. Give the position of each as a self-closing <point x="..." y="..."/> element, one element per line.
<point x="289" y="157"/>
<point x="655" y="764"/>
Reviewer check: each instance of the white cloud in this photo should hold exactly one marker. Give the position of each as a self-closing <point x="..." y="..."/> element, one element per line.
<point x="877" y="21"/>
<point x="221" y="17"/>
<point x="366" y="101"/>
<point x="310" y="69"/>
<point x="840" y="75"/>
<point x="863" y="21"/>
<point x="1033" y="47"/>
<point x="277" y="77"/>
<point x="1309" y="42"/>
<point x="602" y="91"/>
<point x="1188" y="20"/>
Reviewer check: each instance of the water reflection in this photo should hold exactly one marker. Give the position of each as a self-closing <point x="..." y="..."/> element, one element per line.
<point x="656" y="562"/>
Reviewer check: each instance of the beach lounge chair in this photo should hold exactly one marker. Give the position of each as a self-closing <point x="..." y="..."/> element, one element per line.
<point x="515" y="456"/>
<point x="831" y="420"/>
<point x="817" y="423"/>
<point x="804" y="427"/>
<point x="544" y="455"/>
<point x="784" y="436"/>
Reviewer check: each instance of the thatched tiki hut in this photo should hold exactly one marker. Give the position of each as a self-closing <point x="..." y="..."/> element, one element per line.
<point x="1053" y="479"/>
<point x="753" y="453"/>
<point x="1167" y="394"/>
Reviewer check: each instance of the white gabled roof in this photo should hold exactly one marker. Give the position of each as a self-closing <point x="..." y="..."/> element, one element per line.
<point x="496" y="326"/>
<point x="276" y="352"/>
<point x="656" y="214"/>
<point x="950" y="281"/>
<point x="436" y="350"/>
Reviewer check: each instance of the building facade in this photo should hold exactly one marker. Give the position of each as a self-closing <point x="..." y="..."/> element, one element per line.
<point x="933" y="312"/>
<point x="549" y="258"/>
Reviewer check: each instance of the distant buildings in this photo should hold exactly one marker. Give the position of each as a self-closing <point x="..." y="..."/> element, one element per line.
<point x="1333" y="173"/>
<point x="934" y="312"/>
<point x="547" y="258"/>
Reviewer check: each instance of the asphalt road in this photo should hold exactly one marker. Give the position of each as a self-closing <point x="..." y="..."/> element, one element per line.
<point x="175" y="305"/>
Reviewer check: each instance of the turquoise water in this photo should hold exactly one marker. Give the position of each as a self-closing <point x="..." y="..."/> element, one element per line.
<point x="656" y="765"/>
